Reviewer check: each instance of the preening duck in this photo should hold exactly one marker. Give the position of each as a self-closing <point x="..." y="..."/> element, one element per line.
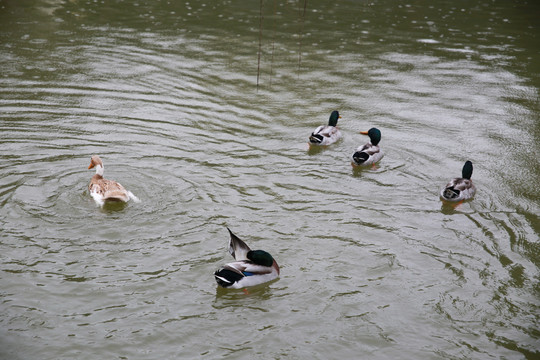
<point x="460" y="188"/>
<point x="369" y="153"/>
<point x="252" y="267"/>
<point x="103" y="190"/>
<point x="327" y="134"/>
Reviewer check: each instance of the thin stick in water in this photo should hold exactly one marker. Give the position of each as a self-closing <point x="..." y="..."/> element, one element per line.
<point x="301" y="34"/>
<point x="273" y="43"/>
<point x="260" y="44"/>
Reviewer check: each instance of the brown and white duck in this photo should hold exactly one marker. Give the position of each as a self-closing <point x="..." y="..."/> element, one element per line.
<point x="103" y="190"/>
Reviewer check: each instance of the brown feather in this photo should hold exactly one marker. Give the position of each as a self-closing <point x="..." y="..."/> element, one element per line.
<point x="108" y="189"/>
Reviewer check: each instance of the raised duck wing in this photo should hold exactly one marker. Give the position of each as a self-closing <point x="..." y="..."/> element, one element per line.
<point x="237" y="248"/>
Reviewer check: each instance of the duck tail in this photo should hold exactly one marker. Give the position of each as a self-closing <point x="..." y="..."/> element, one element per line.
<point x="226" y="277"/>
<point x="450" y="193"/>
<point x="133" y="197"/>
<point x="315" y="138"/>
<point x="360" y="157"/>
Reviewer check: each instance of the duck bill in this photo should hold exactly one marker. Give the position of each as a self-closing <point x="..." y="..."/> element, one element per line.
<point x="363" y="132"/>
<point x="91" y="165"/>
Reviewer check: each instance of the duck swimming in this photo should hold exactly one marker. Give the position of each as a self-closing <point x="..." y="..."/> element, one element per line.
<point x="369" y="153"/>
<point x="460" y="188"/>
<point x="103" y="190"/>
<point x="327" y="134"/>
<point x="252" y="267"/>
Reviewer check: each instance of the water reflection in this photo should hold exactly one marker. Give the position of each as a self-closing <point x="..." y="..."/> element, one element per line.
<point x="314" y="149"/>
<point x="250" y="295"/>
<point x="110" y="207"/>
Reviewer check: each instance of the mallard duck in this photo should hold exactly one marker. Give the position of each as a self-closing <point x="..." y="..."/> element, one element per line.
<point x="252" y="267"/>
<point x="103" y="190"/>
<point x="460" y="188"/>
<point x="327" y="134"/>
<point x="369" y="153"/>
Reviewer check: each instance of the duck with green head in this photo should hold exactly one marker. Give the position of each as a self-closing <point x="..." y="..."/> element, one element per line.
<point x="369" y="153"/>
<point x="462" y="188"/>
<point x="252" y="267"/>
<point x="327" y="134"/>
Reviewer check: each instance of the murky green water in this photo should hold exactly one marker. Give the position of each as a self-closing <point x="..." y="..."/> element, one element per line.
<point x="373" y="265"/>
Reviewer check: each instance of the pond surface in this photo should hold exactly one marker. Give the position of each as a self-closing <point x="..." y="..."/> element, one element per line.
<point x="203" y="111"/>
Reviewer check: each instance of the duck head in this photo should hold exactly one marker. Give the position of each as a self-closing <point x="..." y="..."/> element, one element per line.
<point x="466" y="172"/>
<point x="97" y="163"/>
<point x="374" y="135"/>
<point x="334" y="116"/>
<point x="260" y="257"/>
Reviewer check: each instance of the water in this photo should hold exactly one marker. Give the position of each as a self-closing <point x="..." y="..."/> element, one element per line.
<point x="373" y="265"/>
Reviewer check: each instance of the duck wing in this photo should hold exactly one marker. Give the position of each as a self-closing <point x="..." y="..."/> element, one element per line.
<point x="241" y="273"/>
<point x="237" y="248"/>
<point x="463" y="184"/>
<point x="368" y="149"/>
<point x="458" y="187"/>
<point x="108" y="190"/>
<point x="364" y="152"/>
<point x="317" y="137"/>
<point x="247" y="268"/>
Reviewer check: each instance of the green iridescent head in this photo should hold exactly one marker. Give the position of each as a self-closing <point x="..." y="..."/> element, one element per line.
<point x="374" y="135"/>
<point x="466" y="173"/>
<point x="260" y="257"/>
<point x="334" y="116"/>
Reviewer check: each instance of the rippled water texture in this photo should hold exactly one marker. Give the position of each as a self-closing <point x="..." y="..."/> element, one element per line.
<point x="373" y="264"/>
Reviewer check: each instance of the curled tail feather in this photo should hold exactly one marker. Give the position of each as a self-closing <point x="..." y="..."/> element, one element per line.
<point x="360" y="157"/>
<point x="451" y="193"/>
<point x="315" y="138"/>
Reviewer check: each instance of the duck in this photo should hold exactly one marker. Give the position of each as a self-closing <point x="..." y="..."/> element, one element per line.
<point x="252" y="267"/>
<point x="327" y="134"/>
<point x="103" y="190"/>
<point x="462" y="188"/>
<point x="369" y="153"/>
